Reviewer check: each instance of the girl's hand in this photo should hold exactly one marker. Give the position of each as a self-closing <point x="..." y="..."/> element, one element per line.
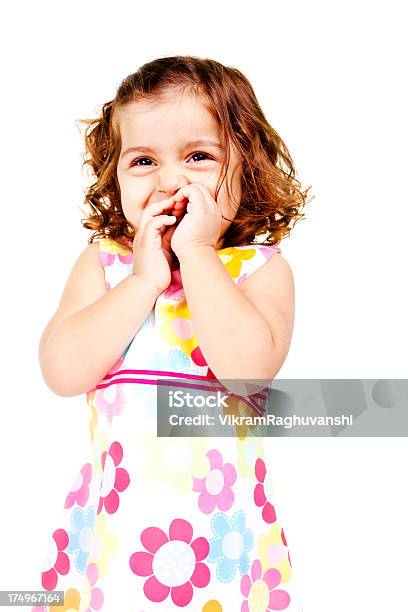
<point x="201" y="223"/>
<point x="151" y="258"/>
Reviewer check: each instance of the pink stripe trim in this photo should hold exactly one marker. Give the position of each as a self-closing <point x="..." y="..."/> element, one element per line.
<point x="174" y="375"/>
<point x="213" y="381"/>
<point x="148" y="381"/>
<point x="159" y="372"/>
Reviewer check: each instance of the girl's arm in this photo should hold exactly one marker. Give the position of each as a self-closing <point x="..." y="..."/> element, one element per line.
<point x="243" y="332"/>
<point x="92" y="326"/>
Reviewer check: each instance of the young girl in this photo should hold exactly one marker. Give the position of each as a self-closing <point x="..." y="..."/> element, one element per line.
<point x="189" y="174"/>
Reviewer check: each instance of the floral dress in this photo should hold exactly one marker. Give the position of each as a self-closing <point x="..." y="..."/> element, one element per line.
<point x="162" y="523"/>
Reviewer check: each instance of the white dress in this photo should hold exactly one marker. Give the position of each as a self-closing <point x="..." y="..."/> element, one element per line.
<point x="161" y="523"/>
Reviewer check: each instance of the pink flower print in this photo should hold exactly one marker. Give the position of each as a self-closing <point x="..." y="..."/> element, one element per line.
<point x="80" y="488"/>
<point x="126" y="259"/>
<point x="114" y="478"/>
<point x="57" y="561"/>
<point x="269" y="250"/>
<point x="241" y="279"/>
<point x="124" y="254"/>
<point x="175" y="289"/>
<point x="106" y="258"/>
<point x="285" y="543"/>
<point x="260" y="592"/>
<point x="173" y="564"/>
<point x="96" y="599"/>
<point x="198" y="357"/>
<point x="110" y="401"/>
<point x="216" y="486"/>
<point x="268" y="511"/>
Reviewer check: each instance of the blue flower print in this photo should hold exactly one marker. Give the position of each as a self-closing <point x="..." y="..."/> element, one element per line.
<point x="175" y="361"/>
<point x="231" y="545"/>
<point x="145" y="324"/>
<point x="180" y="362"/>
<point x="80" y="539"/>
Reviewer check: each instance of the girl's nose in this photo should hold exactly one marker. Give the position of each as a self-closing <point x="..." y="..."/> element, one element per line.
<point x="171" y="184"/>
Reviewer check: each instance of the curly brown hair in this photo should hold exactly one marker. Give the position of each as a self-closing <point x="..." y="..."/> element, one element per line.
<point x="271" y="197"/>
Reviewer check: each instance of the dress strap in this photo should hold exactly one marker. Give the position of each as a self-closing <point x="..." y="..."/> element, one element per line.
<point x="116" y="260"/>
<point x="241" y="261"/>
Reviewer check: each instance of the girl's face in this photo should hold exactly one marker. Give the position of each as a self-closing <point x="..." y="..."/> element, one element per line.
<point x="168" y="156"/>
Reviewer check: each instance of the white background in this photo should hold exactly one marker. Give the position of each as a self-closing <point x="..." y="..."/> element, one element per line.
<point x="329" y="77"/>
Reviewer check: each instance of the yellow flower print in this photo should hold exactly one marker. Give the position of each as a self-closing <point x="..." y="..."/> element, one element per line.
<point x="111" y="246"/>
<point x="248" y="451"/>
<point x="232" y="258"/>
<point x="175" y="327"/>
<point x="176" y="461"/>
<point x="71" y="602"/>
<point x="212" y="606"/>
<point x="104" y="545"/>
<point x="86" y="596"/>
<point x="237" y="407"/>
<point x="273" y="552"/>
<point x="92" y="413"/>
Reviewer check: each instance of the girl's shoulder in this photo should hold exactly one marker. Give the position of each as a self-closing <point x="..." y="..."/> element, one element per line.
<point x="85" y="285"/>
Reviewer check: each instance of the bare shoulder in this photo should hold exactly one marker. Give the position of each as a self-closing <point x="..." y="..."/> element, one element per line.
<point x="86" y="281"/>
<point x="85" y="285"/>
<point x="276" y="272"/>
<point x="271" y="289"/>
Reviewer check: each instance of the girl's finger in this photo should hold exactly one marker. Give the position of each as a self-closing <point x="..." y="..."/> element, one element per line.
<point x="152" y="211"/>
<point x="155" y="227"/>
<point x="177" y="197"/>
<point x="179" y="209"/>
<point x="156" y="207"/>
<point x="155" y="223"/>
<point x="194" y="193"/>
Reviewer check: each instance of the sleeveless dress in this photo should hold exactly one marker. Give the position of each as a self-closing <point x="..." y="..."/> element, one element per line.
<point x="155" y="523"/>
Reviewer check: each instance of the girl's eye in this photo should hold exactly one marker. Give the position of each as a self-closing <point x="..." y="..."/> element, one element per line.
<point x="134" y="162"/>
<point x="205" y="155"/>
